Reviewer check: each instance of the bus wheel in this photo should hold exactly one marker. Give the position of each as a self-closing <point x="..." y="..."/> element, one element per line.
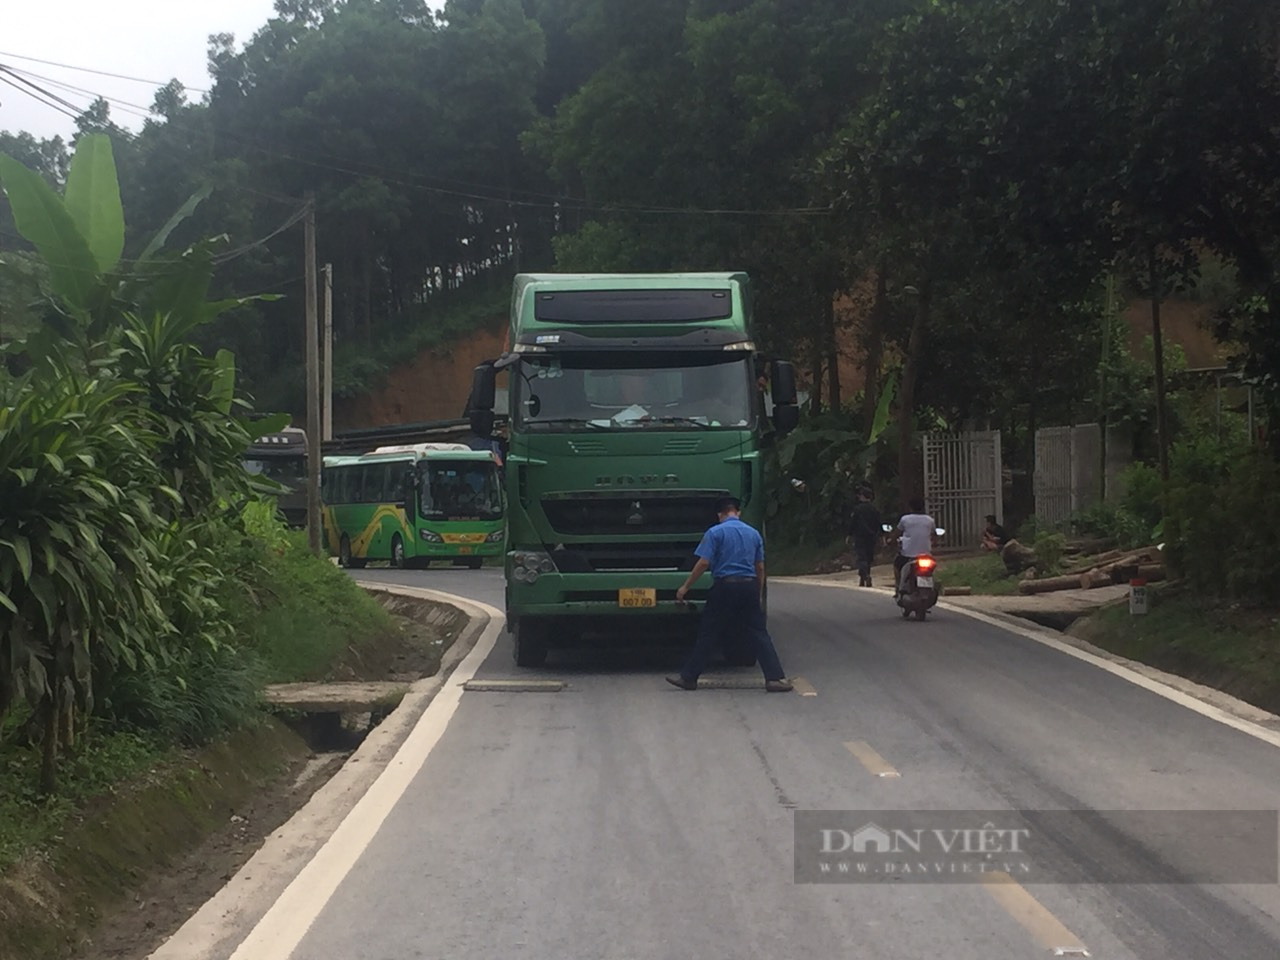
<point x="344" y="552"/>
<point x="529" y="638"/>
<point x="397" y="552"/>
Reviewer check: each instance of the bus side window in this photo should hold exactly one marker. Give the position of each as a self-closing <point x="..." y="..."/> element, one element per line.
<point x="395" y="483"/>
<point x="341" y="484"/>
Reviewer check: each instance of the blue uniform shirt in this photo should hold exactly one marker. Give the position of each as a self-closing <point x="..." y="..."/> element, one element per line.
<point x="733" y="549"/>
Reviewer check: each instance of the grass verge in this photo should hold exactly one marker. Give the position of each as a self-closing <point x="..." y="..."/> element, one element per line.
<point x="982" y="575"/>
<point x="309" y="613"/>
<point x="1231" y="647"/>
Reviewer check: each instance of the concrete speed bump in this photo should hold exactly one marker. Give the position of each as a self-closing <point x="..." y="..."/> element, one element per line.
<point x="513" y="686"/>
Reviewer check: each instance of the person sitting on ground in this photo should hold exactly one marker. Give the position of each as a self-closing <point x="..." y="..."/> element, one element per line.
<point x="994" y="537"/>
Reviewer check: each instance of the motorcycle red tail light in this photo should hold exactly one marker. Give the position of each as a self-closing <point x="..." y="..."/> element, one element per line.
<point x="925" y="564"/>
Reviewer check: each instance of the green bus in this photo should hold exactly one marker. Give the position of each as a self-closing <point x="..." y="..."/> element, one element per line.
<point x="635" y="403"/>
<point x="409" y="505"/>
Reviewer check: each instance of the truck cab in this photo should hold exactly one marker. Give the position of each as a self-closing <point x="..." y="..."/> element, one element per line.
<point x="633" y="405"/>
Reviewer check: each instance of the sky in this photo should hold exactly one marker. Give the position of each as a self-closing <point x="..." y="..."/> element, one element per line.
<point x="153" y="40"/>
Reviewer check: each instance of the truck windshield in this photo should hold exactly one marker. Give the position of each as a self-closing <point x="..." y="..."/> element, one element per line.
<point x="627" y="393"/>
<point x="457" y="489"/>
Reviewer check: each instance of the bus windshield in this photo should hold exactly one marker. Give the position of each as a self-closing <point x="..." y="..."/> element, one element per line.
<point x="459" y="489"/>
<point x="285" y="470"/>
<point x="626" y="391"/>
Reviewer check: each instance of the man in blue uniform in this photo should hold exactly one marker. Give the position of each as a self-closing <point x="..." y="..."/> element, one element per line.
<point x="734" y="553"/>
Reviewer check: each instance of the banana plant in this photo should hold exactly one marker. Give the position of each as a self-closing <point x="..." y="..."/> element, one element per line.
<point x="119" y="436"/>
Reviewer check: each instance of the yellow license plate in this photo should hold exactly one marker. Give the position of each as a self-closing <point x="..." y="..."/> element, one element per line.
<point x="463" y="537"/>
<point x="637" y="597"/>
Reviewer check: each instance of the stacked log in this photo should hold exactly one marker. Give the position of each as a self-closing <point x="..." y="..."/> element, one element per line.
<point x="1114" y="567"/>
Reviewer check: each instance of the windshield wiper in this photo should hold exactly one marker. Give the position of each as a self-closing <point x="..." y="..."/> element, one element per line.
<point x="703" y="422"/>
<point x="577" y="420"/>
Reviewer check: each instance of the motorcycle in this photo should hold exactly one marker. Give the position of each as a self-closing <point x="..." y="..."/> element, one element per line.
<point x="918" y="586"/>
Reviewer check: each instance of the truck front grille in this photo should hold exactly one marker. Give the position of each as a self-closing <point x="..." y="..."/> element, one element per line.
<point x="620" y="515"/>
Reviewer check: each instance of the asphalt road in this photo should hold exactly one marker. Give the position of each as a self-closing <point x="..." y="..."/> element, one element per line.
<point x="622" y="818"/>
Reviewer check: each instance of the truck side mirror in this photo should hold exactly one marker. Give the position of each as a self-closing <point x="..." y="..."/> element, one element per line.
<point x="784" y="383"/>
<point x="785" y="418"/>
<point x="483" y="392"/>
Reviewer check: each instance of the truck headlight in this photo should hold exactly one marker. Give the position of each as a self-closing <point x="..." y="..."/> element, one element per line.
<point x="527" y="566"/>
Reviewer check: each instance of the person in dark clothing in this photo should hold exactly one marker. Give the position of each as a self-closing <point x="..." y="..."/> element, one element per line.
<point x="864" y="533"/>
<point x="994" y="537"/>
<point x="734" y="553"/>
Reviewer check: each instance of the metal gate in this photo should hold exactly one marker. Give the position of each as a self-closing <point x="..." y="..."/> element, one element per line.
<point x="963" y="475"/>
<point x="1067" y="471"/>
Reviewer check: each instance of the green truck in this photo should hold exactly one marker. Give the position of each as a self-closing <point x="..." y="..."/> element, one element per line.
<point x="635" y="402"/>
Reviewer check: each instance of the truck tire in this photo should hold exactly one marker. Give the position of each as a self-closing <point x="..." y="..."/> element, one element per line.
<point x="529" y="641"/>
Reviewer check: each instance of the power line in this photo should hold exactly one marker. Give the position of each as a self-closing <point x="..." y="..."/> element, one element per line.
<point x="296" y="216"/>
<point x="103" y="73"/>
<point x="66" y="106"/>
<point x="566" y="204"/>
<point x="351" y="168"/>
<point x="35" y="96"/>
<point x="127" y="105"/>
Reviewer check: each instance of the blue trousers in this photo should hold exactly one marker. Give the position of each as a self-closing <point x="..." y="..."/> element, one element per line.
<point x="733" y="609"/>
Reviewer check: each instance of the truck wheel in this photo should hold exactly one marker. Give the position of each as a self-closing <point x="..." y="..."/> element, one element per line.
<point x="397" y="552"/>
<point x="530" y="641"/>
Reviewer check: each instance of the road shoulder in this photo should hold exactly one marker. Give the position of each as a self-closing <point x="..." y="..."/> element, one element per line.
<point x="224" y="921"/>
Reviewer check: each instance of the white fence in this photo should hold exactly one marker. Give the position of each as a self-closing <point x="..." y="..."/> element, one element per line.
<point x="963" y="475"/>
<point x="1069" y="470"/>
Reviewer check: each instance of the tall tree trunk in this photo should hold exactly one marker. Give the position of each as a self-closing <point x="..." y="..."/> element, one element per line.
<point x="50" y="714"/>
<point x="815" y="395"/>
<point x="907" y="473"/>
<point x="873" y="351"/>
<point x="366" y="285"/>
<point x="1157" y="346"/>
<point x="833" y="350"/>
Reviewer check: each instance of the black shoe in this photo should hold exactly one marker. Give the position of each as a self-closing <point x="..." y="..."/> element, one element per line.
<point x="682" y="683"/>
<point x="776" y="686"/>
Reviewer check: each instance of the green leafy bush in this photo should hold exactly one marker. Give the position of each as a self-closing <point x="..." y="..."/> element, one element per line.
<point x="1049" y="548"/>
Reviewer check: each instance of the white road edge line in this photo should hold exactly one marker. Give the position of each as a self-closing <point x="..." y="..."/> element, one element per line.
<point x="279" y="932"/>
<point x="1157" y="687"/>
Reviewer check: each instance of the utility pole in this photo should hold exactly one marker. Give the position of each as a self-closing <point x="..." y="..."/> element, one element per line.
<point x="313" y="379"/>
<point x="328" y="351"/>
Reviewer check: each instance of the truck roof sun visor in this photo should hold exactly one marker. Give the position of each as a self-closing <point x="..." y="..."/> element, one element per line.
<point x="633" y="306"/>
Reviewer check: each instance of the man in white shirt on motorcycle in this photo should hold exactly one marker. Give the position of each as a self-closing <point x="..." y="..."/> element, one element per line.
<point x="916" y="539"/>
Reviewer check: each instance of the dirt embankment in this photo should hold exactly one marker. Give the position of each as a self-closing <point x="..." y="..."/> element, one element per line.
<point x="434" y="386"/>
<point x="133" y="866"/>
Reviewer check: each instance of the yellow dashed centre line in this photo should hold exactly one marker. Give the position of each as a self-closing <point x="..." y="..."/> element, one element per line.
<point x="803" y="687"/>
<point x="1044" y="927"/>
<point x="876" y="765"/>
